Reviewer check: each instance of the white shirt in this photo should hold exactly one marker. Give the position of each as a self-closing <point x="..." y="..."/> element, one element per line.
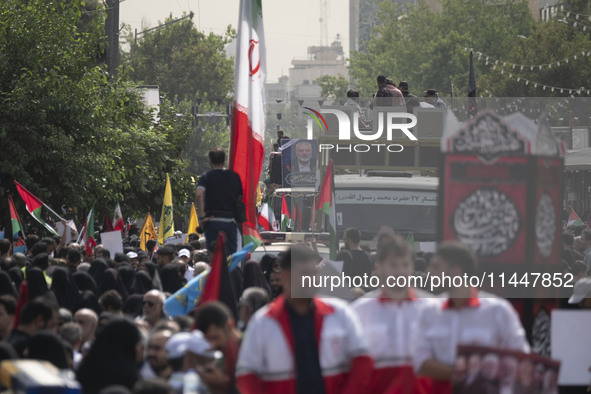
<point x="485" y="321"/>
<point x="387" y="325"/>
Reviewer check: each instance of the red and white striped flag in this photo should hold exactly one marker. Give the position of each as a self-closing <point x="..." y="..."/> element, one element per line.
<point x="118" y="223"/>
<point x="267" y="217"/>
<point x="248" y="110"/>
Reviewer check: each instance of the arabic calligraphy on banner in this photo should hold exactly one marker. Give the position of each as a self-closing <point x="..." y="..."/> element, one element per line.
<point x="386" y="197"/>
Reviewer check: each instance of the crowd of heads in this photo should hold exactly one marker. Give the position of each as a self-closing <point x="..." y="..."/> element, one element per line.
<point x="102" y="315"/>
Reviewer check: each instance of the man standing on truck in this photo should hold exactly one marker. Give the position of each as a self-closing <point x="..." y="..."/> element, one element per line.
<point x="218" y="191"/>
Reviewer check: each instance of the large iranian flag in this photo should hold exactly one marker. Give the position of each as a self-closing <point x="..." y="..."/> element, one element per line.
<point x="248" y="110"/>
<point x="327" y="206"/>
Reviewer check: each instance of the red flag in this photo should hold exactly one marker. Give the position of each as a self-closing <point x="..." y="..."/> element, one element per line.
<point x="217" y="286"/>
<point x="108" y="223"/>
<point x="248" y="110"/>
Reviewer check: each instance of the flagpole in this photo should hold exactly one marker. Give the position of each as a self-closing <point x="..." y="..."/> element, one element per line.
<point x="52" y="211"/>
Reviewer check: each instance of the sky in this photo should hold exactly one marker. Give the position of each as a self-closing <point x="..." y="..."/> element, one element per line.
<point x="290" y="26"/>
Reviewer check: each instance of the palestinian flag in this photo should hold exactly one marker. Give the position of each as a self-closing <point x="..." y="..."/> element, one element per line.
<point x="267" y="217"/>
<point x="285" y="217"/>
<point x="574" y="219"/>
<point x="34" y="206"/>
<point x="327" y="206"/>
<point x="87" y="235"/>
<point x="118" y="223"/>
<point x="14" y="219"/>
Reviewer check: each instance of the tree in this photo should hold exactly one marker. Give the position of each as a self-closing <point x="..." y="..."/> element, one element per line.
<point x="183" y="61"/>
<point x="426" y="48"/>
<point x="333" y="86"/>
<point x="70" y="134"/>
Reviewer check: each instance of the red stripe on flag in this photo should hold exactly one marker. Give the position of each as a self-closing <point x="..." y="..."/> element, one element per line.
<point x="246" y="159"/>
<point x="31" y="201"/>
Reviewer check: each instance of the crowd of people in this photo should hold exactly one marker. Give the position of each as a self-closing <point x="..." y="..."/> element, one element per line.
<point x="102" y="318"/>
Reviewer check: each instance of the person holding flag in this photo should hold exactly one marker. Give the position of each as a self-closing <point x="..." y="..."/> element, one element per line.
<point x="218" y="196"/>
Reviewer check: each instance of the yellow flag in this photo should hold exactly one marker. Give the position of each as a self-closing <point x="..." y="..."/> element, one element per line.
<point x="193" y="222"/>
<point x="166" y="227"/>
<point x="148" y="232"/>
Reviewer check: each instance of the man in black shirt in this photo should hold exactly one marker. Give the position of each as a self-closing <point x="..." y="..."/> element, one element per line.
<point x="361" y="262"/>
<point x="218" y="190"/>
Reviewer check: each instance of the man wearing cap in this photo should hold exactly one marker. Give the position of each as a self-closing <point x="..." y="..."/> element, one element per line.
<point x="185" y="351"/>
<point x="403" y="87"/>
<point x="133" y="260"/>
<point x="466" y="317"/>
<point x="301" y="343"/>
<point x="218" y="192"/>
<point x="434" y="99"/>
<point x="185" y="257"/>
<point x="582" y="294"/>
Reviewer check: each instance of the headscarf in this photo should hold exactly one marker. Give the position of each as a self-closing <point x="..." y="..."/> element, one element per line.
<point x="6" y="285"/>
<point x="84" y="281"/>
<point x="153" y="271"/>
<point x="253" y="276"/>
<point x="111" y="359"/>
<point x="17" y="276"/>
<point x="88" y="300"/>
<point x="125" y="272"/>
<point x="141" y="283"/>
<point x="47" y="346"/>
<point x="37" y="285"/>
<point x="64" y="289"/>
<point x="171" y="280"/>
<point x="111" y="281"/>
<point x="97" y="267"/>
<point x="133" y="305"/>
<point x="267" y="262"/>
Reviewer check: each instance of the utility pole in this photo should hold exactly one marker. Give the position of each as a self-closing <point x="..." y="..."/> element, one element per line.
<point x="112" y="32"/>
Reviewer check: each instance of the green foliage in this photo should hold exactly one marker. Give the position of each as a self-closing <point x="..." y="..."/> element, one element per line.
<point x="546" y="43"/>
<point x="182" y="60"/>
<point x="70" y="134"/>
<point x="427" y="48"/>
<point x="333" y="86"/>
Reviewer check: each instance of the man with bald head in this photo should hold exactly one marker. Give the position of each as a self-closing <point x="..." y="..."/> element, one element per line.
<point x="153" y="307"/>
<point x="87" y="320"/>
